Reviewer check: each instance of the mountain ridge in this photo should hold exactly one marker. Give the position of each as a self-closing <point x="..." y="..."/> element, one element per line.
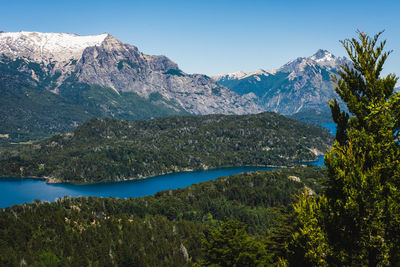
<point x="301" y="84"/>
<point x="56" y="47"/>
<point x="105" y="61"/>
<point x="59" y="85"/>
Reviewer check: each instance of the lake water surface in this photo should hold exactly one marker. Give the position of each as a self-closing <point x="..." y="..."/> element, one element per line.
<point x="330" y="126"/>
<point x="18" y="190"/>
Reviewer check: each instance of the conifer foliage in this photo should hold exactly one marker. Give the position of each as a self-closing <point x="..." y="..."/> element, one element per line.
<point x="356" y="221"/>
<point x="232" y="246"/>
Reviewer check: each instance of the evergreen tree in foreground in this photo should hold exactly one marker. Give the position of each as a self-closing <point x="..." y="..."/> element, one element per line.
<point x="357" y="219"/>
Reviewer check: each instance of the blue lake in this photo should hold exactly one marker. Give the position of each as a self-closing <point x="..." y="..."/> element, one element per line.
<point x="319" y="162"/>
<point x="18" y="191"/>
<point x="330" y="126"/>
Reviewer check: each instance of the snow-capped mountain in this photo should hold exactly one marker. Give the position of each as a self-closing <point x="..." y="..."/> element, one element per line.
<point x="105" y="61"/>
<point x="59" y="48"/>
<point x="302" y="84"/>
<point x="321" y="58"/>
<point x="53" y="82"/>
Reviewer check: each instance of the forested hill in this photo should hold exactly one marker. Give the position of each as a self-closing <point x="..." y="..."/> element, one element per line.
<point x="114" y="150"/>
<point x="166" y="229"/>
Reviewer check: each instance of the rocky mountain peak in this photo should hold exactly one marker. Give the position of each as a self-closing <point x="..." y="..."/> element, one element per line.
<point x="112" y="43"/>
<point x="105" y="61"/>
<point x="322" y="54"/>
<point x="321" y="59"/>
<point x="301" y="84"/>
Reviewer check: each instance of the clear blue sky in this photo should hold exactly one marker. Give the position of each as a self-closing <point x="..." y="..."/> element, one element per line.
<point x="217" y="36"/>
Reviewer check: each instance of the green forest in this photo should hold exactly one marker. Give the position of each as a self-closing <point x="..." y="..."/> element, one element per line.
<point x="171" y="228"/>
<point x="347" y="214"/>
<point x="114" y="150"/>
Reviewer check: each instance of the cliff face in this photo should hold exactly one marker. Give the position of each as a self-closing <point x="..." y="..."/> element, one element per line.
<point x="105" y="61"/>
<point x="125" y="69"/>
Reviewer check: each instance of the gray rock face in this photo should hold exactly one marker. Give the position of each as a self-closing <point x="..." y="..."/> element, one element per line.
<point x="302" y="84"/>
<point x="105" y="61"/>
<point x="124" y="68"/>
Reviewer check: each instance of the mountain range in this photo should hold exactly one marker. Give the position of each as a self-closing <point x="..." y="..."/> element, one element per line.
<point x="53" y="82"/>
<point x="301" y="85"/>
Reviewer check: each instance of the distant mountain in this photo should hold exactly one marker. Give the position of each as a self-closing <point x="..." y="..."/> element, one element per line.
<point x="303" y="84"/>
<point x="115" y="150"/>
<point x="51" y="82"/>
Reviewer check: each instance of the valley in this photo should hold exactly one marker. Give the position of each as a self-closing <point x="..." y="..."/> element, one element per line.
<point x="199" y="133"/>
<point x="112" y="145"/>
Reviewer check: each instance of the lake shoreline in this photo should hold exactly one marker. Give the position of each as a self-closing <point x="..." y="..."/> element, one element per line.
<point x="54" y="180"/>
<point x="17" y="190"/>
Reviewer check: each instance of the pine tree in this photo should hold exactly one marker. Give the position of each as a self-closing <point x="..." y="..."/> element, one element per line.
<point x="230" y="245"/>
<point x="357" y="219"/>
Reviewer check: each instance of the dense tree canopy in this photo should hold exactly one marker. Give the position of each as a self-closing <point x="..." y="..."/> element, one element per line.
<point x="230" y="245"/>
<point x="113" y="150"/>
<point x="357" y="219"/>
<point x="161" y="230"/>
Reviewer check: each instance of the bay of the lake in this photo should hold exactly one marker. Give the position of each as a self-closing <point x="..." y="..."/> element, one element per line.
<point x="331" y="127"/>
<point x="22" y="190"/>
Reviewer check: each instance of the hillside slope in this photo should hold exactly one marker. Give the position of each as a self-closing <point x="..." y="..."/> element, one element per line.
<point x="28" y="111"/>
<point x="114" y="150"/>
<point x="167" y="228"/>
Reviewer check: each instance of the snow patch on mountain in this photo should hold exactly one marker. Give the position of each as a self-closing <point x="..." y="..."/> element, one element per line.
<point x="322" y="58"/>
<point x="301" y="84"/>
<point x="233" y="75"/>
<point x="325" y="58"/>
<point x="242" y="75"/>
<point x="47" y="47"/>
